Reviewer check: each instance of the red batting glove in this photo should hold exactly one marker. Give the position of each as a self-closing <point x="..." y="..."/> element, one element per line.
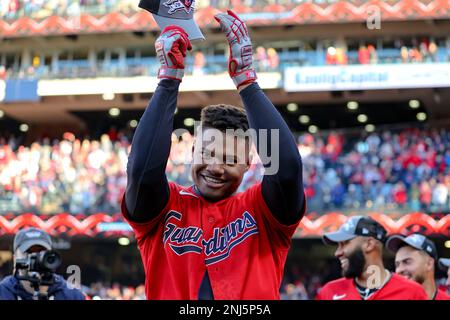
<point x="171" y="49"/>
<point x="240" y="62"/>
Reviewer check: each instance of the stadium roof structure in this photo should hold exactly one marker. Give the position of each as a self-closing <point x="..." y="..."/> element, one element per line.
<point x="304" y="13"/>
<point x="105" y="225"/>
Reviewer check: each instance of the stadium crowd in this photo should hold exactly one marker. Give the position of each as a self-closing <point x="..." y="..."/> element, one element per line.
<point x="39" y="9"/>
<point x="134" y="62"/>
<point x="300" y="289"/>
<point x="386" y="171"/>
<point x="409" y="170"/>
<point x="266" y="57"/>
<point x="304" y="287"/>
<point x="100" y="291"/>
<point x="417" y="51"/>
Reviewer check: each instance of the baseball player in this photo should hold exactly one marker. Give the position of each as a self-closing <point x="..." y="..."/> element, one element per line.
<point x="444" y="264"/>
<point x="205" y="241"/>
<point x="360" y="245"/>
<point x="415" y="257"/>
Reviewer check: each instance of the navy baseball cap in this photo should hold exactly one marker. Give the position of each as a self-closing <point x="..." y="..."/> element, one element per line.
<point x="416" y="240"/>
<point x="26" y="238"/>
<point x="174" y="12"/>
<point x="354" y="227"/>
<point x="444" y="264"/>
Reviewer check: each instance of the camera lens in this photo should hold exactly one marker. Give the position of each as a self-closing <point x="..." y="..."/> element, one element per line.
<point x="51" y="260"/>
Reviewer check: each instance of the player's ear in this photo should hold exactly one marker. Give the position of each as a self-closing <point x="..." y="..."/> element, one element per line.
<point x="430" y="263"/>
<point x="369" y="244"/>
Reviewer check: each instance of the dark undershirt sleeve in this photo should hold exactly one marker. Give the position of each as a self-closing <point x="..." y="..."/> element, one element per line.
<point x="147" y="191"/>
<point x="282" y="191"/>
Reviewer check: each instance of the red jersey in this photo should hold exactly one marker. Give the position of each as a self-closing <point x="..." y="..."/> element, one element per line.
<point x="237" y="240"/>
<point x="397" y="288"/>
<point x="442" y="295"/>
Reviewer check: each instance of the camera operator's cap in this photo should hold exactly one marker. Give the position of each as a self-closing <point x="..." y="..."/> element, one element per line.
<point x="174" y="12"/>
<point x="356" y="226"/>
<point x="26" y="238"/>
<point x="444" y="264"/>
<point x="416" y="240"/>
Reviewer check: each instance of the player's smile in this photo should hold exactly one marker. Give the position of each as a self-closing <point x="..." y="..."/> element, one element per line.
<point x="213" y="182"/>
<point x="407" y="275"/>
<point x="344" y="263"/>
<point x="342" y="253"/>
<point x="217" y="181"/>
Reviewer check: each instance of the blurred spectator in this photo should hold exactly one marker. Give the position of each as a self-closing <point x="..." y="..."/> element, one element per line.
<point x="440" y="195"/>
<point x="295" y="292"/>
<point x="273" y="59"/>
<point x="372" y="54"/>
<point x="336" y="56"/>
<point x="199" y="64"/>
<point x="415" y="55"/>
<point x="261" y="59"/>
<point x="100" y="291"/>
<point x="400" y="195"/>
<point x="425" y="195"/>
<point x="432" y="52"/>
<point x="363" y="55"/>
<point x="404" y="54"/>
<point x="423" y="49"/>
<point x="341" y="56"/>
<point x="330" y="57"/>
<point x="2" y="72"/>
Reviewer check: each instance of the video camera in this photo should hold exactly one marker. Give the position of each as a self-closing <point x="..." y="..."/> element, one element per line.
<point x="39" y="268"/>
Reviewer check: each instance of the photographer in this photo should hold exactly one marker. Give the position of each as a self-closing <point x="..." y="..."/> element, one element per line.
<point x="34" y="275"/>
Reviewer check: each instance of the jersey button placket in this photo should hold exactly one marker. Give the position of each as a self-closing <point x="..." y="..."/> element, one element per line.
<point x="213" y="270"/>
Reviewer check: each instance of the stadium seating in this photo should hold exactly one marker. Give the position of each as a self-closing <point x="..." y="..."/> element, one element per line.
<point x="405" y="171"/>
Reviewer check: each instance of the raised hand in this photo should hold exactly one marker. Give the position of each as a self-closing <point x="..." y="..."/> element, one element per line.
<point x="171" y="47"/>
<point x="240" y="62"/>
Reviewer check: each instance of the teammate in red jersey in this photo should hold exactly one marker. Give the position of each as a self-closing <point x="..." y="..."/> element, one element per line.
<point x="206" y="241"/>
<point x="360" y="248"/>
<point x="444" y="265"/>
<point x="415" y="258"/>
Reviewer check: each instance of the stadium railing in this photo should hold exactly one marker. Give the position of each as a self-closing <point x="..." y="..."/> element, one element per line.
<point x="215" y="64"/>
